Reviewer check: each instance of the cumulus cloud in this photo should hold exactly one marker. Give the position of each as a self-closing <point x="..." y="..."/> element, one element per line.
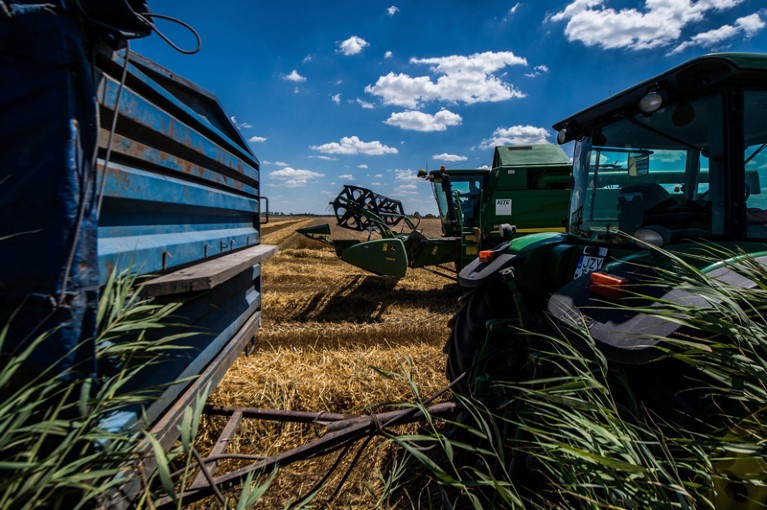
<point x="538" y="70"/>
<point x="350" y="145"/>
<point x="746" y="27"/>
<point x="346" y="177"/>
<point x="294" y="77"/>
<point x="388" y="54"/>
<point x="516" y="135"/>
<point x="658" y="23"/>
<point x="392" y="10"/>
<point x="407" y="175"/>
<point x="240" y="125"/>
<point x="461" y="79"/>
<point x="363" y="166"/>
<point x="365" y="104"/>
<point x="419" y="121"/>
<point x="336" y="98"/>
<point x="449" y="157"/>
<point x="325" y="158"/>
<point x="293" y="178"/>
<point x="257" y="139"/>
<point x="406" y="189"/>
<point x="353" y="45"/>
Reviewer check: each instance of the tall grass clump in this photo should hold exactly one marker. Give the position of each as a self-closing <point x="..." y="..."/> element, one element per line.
<point x="686" y="429"/>
<point x="58" y="448"/>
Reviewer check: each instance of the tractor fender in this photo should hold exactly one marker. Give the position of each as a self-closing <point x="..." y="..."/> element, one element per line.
<point x="629" y="337"/>
<point x="477" y="273"/>
<point x="512" y="252"/>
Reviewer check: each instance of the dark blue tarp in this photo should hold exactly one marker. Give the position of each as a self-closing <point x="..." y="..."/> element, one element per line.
<point x="48" y="136"/>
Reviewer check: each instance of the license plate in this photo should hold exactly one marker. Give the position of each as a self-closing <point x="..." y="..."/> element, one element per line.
<point x="589" y="263"/>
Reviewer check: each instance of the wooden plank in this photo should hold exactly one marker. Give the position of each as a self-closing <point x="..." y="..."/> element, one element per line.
<point x="208" y="274"/>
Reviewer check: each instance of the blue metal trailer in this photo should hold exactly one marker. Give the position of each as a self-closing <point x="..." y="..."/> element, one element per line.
<point x="109" y="161"/>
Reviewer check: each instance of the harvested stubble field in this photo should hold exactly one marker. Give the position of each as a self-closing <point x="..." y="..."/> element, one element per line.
<point x="327" y="329"/>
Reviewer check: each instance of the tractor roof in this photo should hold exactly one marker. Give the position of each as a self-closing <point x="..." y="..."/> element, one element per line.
<point x="695" y="77"/>
<point x="546" y="154"/>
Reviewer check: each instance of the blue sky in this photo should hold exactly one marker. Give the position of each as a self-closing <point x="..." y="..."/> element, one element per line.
<point x="366" y="93"/>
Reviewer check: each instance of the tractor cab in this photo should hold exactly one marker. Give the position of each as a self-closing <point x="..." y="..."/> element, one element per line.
<point x="678" y="158"/>
<point x="458" y="194"/>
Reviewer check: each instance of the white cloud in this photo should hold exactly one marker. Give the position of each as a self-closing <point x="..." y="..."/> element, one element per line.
<point x="350" y="145"/>
<point x="406" y="189"/>
<point x="751" y="24"/>
<point x="240" y="125"/>
<point x="336" y="98"/>
<point x="449" y="157"/>
<point x="392" y="10"/>
<point x="293" y="178"/>
<point x="257" y="139"/>
<point x="516" y="135"/>
<point x="746" y="26"/>
<point x="513" y="10"/>
<point x="325" y="158"/>
<point x="538" y="70"/>
<point x="658" y="23"/>
<point x="419" y="121"/>
<point x="406" y="175"/>
<point x="376" y="184"/>
<point x="388" y="54"/>
<point x="378" y="176"/>
<point x="462" y="79"/>
<point x="281" y="163"/>
<point x="363" y="166"/>
<point x="346" y="177"/>
<point x="365" y="104"/>
<point x="294" y="77"/>
<point x="353" y="45"/>
<point x="307" y="59"/>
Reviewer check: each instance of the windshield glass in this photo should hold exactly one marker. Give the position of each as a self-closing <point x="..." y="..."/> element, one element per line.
<point x="467" y="189"/>
<point x="664" y="170"/>
<point x="755" y="158"/>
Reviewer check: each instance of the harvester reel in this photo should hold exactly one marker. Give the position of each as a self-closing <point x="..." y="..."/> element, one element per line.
<point x="352" y="200"/>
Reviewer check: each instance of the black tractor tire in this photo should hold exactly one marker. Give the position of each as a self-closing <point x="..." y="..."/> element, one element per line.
<point x="490" y="301"/>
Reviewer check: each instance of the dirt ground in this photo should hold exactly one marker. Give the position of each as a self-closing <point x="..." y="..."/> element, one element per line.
<point x="329" y="330"/>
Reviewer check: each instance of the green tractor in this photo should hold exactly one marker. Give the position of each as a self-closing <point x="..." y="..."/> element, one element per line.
<point x="673" y="165"/>
<point x="527" y="190"/>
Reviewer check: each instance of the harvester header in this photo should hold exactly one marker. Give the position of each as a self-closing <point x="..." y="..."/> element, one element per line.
<point x="526" y="191"/>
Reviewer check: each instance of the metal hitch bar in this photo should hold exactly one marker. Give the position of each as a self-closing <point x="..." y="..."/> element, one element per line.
<point x="341" y="430"/>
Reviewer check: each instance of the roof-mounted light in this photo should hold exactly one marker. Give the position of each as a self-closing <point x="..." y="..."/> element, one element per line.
<point x="562" y="135"/>
<point x="651" y="102"/>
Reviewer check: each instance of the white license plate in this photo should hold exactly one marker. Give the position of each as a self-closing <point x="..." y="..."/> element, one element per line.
<point x="587" y="264"/>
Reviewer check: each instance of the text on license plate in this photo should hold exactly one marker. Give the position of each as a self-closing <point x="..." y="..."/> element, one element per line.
<point x="587" y="264"/>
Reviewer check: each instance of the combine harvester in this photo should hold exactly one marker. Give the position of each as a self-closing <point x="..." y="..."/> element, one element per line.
<point x="526" y="191"/>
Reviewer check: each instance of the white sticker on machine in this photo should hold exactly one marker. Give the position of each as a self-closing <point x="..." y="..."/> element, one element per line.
<point x="503" y="207"/>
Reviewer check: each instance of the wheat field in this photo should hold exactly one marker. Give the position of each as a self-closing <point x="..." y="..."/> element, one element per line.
<point x="328" y="330"/>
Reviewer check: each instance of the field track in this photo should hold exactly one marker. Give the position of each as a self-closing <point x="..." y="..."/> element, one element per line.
<point x="328" y="329"/>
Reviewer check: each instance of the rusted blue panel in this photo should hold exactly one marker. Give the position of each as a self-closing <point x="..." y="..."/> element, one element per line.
<point x="181" y="184"/>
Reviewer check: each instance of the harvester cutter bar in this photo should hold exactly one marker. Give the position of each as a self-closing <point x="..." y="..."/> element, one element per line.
<point x="451" y="275"/>
<point x="342" y="430"/>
